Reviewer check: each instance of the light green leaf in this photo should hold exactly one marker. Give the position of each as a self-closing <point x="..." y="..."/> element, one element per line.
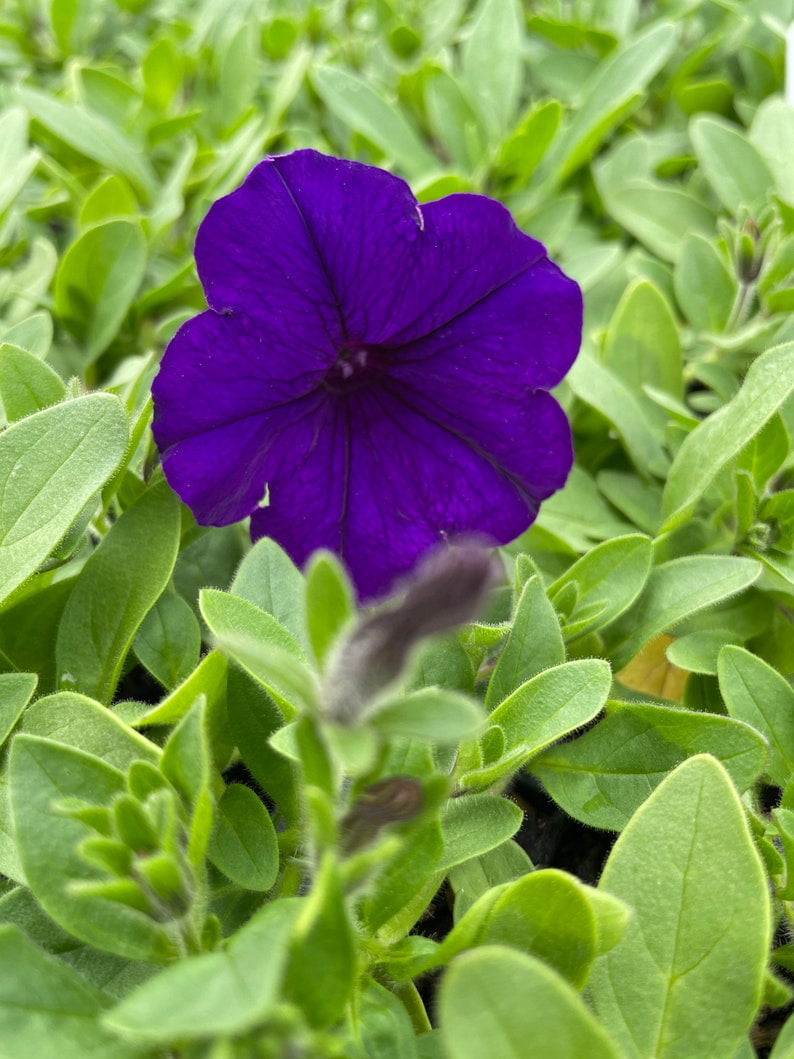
<point x="329" y="602"/>
<point x="720" y="437"/>
<point x="491" y="62"/>
<point x="688" y="975"/>
<point x="322" y="937"/>
<point x="642" y="345"/>
<point x="603" y="776"/>
<point x="542" y="710"/>
<point x="674" y="591"/>
<point x="475" y="877"/>
<point x="508" y="999"/>
<point x="168" y="641"/>
<point x="27" y="384"/>
<point x="704" y="286"/>
<point x="435" y="714"/>
<point x="661" y="217"/>
<point x="473" y="825"/>
<point x="97" y="280"/>
<point x="268" y="578"/>
<point x="546" y="914"/>
<point x="262" y="646"/>
<point x="215" y="994"/>
<point x="243" y="844"/>
<point x="616" y="88"/>
<point x="43" y="774"/>
<point x="48" y="1010"/>
<point x="16" y="690"/>
<point x="118" y="585"/>
<point x="16" y="161"/>
<point x="354" y="101"/>
<point x="605" y="582"/>
<point x="772" y="134"/>
<point x="534" y="643"/>
<point x="596" y="385"/>
<point x="733" y="167"/>
<point x="50" y="465"/>
<point x="91" y="134"/>
<point x="756" y="693"/>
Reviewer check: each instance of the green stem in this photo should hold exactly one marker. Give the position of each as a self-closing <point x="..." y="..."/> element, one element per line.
<point x="408" y="995"/>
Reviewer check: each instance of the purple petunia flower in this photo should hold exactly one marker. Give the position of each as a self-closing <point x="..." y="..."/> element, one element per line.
<point x="371" y="376"/>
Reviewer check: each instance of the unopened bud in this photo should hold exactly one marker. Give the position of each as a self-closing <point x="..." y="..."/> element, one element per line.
<point x="749" y="252"/>
<point x="386" y="802"/>
<point x="447" y="590"/>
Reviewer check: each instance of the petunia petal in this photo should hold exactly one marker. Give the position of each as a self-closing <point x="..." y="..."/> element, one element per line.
<point x="470" y="249"/>
<point x="226" y="390"/>
<point x="384" y="483"/>
<point x="348" y="243"/>
<point x="303" y="239"/>
<point x="526" y="334"/>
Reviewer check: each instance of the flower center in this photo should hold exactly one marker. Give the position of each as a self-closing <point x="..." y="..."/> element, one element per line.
<point x="355" y="365"/>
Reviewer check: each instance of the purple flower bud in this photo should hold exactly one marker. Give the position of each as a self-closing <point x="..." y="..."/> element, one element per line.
<point x="447" y="590"/>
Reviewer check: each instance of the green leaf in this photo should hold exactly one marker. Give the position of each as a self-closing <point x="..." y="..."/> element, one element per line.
<point x="91" y="134"/>
<point x="772" y="134"/>
<point x="268" y="578"/>
<point x="436" y="714"/>
<point x="542" y="710"/>
<point x="168" y="641"/>
<point x="33" y="334"/>
<point x="243" y="844"/>
<point x="404" y="877"/>
<point x="704" y="286"/>
<point x="118" y="585"/>
<point x="617" y="86"/>
<point x="383" y="1024"/>
<point x="97" y="280"/>
<point x="50" y="465"/>
<point x="217" y="994"/>
<point x="187" y="763"/>
<point x="322" y="937"/>
<point x="253" y="718"/>
<point x="16" y="161"/>
<point x="492" y="63"/>
<point x="355" y="102"/>
<point x="329" y="602"/>
<point x="688" y="975"/>
<point x="474" y="877"/>
<point x="84" y="724"/>
<point x="642" y="345"/>
<point x="42" y="774"/>
<point x="756" y="693"/>
<point x="112" y="197"/>
<point x="534" y="643"/>
<point x="207" y="679"/>
<point x="508" y="999"/>
<point x="603" y="776"/>
<point x="452" y="119"/>
<point x="474" y="824"/>
<point x="604" y="583"/>
<point x="48" y="1010"/>
<point x="601" y="388"/>
<point x="262" y="646"/>
<point x="736" y="171"/>
<point x="522" y="152"/>
<point x="720" y="437"/>
<point x="16" y="690"/>
<point x="546" y="914"/>
<point x="674" y="591"/>
<point x="27" y="384"/>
